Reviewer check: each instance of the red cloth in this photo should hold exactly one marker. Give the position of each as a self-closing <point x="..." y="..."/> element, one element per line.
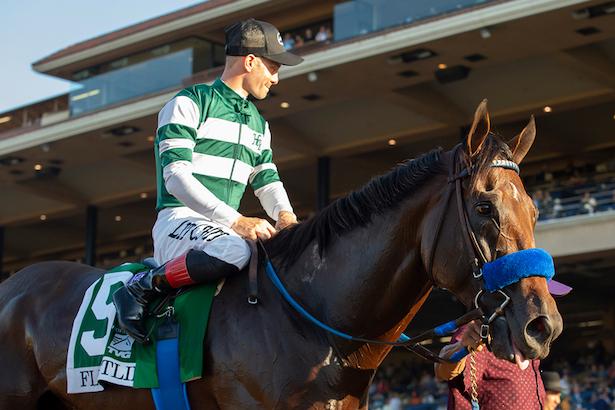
<point x="501" y="385"/>
<point x="176" y="272"/>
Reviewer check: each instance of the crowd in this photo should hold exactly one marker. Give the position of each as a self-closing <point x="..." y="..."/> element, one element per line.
<point x="574" y="196"/>
<point x="311" y="35"/>
<point x="407" y="385"/>
<point x="587" y="380"/>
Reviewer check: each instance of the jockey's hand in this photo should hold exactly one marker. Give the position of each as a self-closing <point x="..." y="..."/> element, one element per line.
<point x="285" y="218"/>
<point x="470" y="337"/>
<point x="252" y="228"/>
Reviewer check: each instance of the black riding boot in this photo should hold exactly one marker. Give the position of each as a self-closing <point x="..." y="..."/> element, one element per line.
<point x="131" y="301"/>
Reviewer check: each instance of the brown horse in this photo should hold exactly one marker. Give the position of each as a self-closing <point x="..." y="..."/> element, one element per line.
<point x="364" y="265"/>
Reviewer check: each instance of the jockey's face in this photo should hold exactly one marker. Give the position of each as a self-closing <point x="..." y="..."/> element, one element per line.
<point x="262" y="75"/>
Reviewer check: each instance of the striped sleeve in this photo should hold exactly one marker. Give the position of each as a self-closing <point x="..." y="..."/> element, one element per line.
<point x="266" y="183"/>
<point x="178" y="122"/>
<point x="265" y="172"/>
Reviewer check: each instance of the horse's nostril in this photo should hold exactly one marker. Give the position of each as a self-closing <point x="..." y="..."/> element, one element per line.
<point x="539" y="329"/>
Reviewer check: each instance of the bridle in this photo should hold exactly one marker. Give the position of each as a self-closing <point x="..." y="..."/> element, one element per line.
<point x="457" y="172"/>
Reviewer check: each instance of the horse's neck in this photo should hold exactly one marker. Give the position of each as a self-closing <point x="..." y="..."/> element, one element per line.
<point x="370" y="282"/>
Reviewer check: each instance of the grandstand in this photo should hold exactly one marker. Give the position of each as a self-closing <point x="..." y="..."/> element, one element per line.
<point x="385" y="82"/>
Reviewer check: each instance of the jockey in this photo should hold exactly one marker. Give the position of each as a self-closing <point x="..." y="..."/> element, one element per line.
<point x="211" y="141"/>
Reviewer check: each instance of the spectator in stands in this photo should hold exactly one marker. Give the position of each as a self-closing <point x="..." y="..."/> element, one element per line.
<point x="322" y="34"/>
<point x="395" y="402"/>
<point x="538" y="198"/>
<point x="289" y="42"/>
<point x="553" y="389"/>
<point x="500" y="384"/>
<point x="415" y="398"/>
<point x="589" y="203"/>
<point x="308" y="35"/>
<point x="576" y="178"/>
<point x="547" y="205"/>
<point x="601" y="399"/>
<point x="576" y="398"/>
<point x="299" y="42"/>
<point x="558" y="208"/>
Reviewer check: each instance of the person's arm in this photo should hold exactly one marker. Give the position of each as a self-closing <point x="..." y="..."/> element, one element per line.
<point x="268" y="188"/>
<point x="181" y="183"/>
<point x="176" y="137"/>
<point x="468" y="337"/>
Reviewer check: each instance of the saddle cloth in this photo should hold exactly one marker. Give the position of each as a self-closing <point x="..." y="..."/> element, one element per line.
<point x="100" y="351"/>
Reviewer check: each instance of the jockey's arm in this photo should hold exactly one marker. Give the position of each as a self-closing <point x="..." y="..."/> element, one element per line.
<point x="275" y="202"/>
<point x="285" y="218"/>
<point x="180" y="182"/>
<point x="268" y="188"/>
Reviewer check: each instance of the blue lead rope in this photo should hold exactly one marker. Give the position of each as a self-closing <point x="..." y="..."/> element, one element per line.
<point x="278" y="284"/>
<point x="441" y="330"/>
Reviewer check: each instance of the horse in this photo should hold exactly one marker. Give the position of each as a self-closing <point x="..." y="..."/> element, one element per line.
<point x="364" y="265"/>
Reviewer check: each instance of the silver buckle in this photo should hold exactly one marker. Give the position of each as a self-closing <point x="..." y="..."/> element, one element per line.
<point x="477" y="270"/>
<point x="500" y="309"/>
<point x="480" y="292"/>
<point x="168" y="312"/>
<point x="484" y="331"/>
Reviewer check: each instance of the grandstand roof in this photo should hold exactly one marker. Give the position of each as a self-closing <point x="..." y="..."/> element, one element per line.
<point x="136" y="28"/>
<point x="205" y="20"/>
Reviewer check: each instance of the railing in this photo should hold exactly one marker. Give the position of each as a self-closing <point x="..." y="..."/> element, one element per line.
<point x="576" y="200"/>
<point x="132" y="81"/>
<point x="33" y="116"/>
<point x="359" y="17"/>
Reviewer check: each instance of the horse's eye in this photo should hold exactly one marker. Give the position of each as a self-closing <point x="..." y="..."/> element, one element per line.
<point x="484" y="208"/>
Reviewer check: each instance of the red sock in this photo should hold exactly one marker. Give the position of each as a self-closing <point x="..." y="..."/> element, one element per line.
<point x="176" y="272"/>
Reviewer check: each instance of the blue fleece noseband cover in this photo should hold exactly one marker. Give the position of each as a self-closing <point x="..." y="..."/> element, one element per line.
<point x="515" y="266"/>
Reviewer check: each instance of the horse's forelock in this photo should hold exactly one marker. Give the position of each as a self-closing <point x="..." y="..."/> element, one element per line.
<point x="493" y="148"/>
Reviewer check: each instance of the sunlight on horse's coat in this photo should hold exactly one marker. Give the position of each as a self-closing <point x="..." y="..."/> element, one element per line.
<point x="515" y="191"/>
<point x="326" y="362"/>
<point x="331" y="405"/>
<point x="317" y="265"/>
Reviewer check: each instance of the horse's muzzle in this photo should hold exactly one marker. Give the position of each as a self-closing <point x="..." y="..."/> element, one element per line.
<point x="541" y="331"/>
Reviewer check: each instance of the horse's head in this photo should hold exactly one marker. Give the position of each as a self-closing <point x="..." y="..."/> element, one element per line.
<point x="501" y="216"/>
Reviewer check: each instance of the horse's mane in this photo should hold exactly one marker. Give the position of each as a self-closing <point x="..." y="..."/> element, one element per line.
<point x="356" y="209"/>
<point x="378" y="195"/>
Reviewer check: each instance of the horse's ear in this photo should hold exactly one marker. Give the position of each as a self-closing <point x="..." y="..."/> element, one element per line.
<point x="479" y="130"/>
<point x="522" y="143"/>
